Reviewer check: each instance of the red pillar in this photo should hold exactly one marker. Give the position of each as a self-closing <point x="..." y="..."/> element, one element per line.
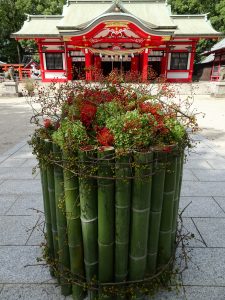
<point x="88" y="64"/>
<point x="164" y="64"/>
<point x="192" y="58"/>
<point x="145" y="65"/>
<point x="68" y="63"/>
<point x="69" y="68"/>
<point x="41" y="61"/>
<point x="135" y="64"/>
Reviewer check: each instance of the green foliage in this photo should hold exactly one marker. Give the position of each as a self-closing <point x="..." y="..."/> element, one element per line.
<point x="218" y="19"/>
<point x="106" y="110"/>
<point x="177" y="131"/>
<point x="70" y="135"/>
<point x="29" y="86"/>
<point x="192" y="6"/>
<point x="131" y="130"/>
<point x="12" y="16"/>
<point x="216" y="15"/>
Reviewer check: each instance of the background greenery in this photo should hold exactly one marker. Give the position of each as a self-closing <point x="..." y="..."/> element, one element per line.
<point x="13" y="13"/>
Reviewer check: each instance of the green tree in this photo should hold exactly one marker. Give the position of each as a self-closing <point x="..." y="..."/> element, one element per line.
<point x="218" y="19"/>
<point x="192" y="6"/>
<point x="12" y="16"/>
<point x="216" y="15"/>
<point x="216" y="12"/>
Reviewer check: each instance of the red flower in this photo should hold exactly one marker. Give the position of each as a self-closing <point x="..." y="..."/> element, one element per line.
<point x="148" y="108"/>
<point x="70" y="100"/>
<point x="87" y="113"/>
<point x="105" y="137"/>
<point x="47" y="123"/>
<point x="167" y="149"/>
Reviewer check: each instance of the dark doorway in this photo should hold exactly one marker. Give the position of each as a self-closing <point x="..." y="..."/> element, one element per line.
<point x="78" y="70"/>
<point x="108" y="66"/>
<point x="156" y="66"/>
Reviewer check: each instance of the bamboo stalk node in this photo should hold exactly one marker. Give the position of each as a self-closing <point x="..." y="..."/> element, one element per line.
<point x="138" y="258"/>
<point x="121" y="243"/>
<point x="140" y="210"/>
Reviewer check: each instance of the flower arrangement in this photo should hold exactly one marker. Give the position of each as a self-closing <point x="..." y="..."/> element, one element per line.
<point x="113" y="154"/>
<point x="122" y="116"/>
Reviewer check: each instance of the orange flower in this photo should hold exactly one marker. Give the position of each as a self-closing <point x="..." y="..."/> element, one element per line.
<point x="105" y="137"/>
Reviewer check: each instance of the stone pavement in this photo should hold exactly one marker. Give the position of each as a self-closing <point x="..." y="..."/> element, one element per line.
<point x="21" y="224"/>
<point x="20" y="237"/>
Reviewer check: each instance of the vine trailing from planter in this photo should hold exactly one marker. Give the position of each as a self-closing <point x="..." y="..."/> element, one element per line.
<point x="111" y="157"/>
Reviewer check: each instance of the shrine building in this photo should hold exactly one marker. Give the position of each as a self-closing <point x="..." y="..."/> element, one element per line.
<point x="130" y="35"/>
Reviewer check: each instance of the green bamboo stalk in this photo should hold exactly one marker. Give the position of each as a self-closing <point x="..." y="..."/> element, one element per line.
<point x="158" y="179"/>
<point x="122" y="215"/>
<point x="64" y="259"/>
<point x="89" y="214"/>
<point x="72" y="202"/>
<point x="165" y="251"/>
<point x="51" y="195"/>
<point x="141" y="200"/>
<point x="47" y="212"/>
<point x="106" y="214"/>
<point x="180" y="158"/>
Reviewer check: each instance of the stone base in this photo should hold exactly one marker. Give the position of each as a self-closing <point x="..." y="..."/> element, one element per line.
<point x="218" y="89"/>
<point x="10" y="89"/>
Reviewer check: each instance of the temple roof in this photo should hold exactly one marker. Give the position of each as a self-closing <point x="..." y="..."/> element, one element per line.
<point x="151" y="16"/>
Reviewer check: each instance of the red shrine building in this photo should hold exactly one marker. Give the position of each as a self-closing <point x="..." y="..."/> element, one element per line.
<point x="130" y="35"/>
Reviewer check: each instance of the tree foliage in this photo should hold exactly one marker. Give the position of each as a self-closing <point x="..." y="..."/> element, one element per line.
<point x="12" y="15"/>
<point x="215" y="13"/>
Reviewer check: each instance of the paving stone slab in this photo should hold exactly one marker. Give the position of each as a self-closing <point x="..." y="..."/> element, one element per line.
<point x="16" y="173"/>
<point x="13" y="162"/>
<point x="200" y="207"/>
<point x="20" y="187"/>
<point x="23" y="154"/>
<point x="3" y="158"/>
<point x="189" y="227"/>
<point x="16" y="148"/>
<point x="217" y="164"/>
<point x="16" y="230"/>
<point x="206" y="268"/>
<point x="37" y="236"/>
<point x="197" y="164"/>
<point x="6" y="201"/>
<point x="30" y="163"/>
<point x="19" y="265"/>
<point x="203" y="147"/>
<point x="166" y="295"/>
<point x="31" y="292"/>
<point x="212" y="231"/>
<point x="189" y="176"/>
<point x="203" y="155"/>
<point x="210" y="175"/>
<point x="204" y="293"/>
<point x="221" y="202"/>
<point x="202" y="189"/>
<point x="27" y="205"/>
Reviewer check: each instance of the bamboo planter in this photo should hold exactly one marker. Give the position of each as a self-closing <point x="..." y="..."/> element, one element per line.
<point x="110" y="219"/>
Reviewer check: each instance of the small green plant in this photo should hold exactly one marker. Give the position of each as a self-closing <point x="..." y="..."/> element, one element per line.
<point x="29" y="86"/>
